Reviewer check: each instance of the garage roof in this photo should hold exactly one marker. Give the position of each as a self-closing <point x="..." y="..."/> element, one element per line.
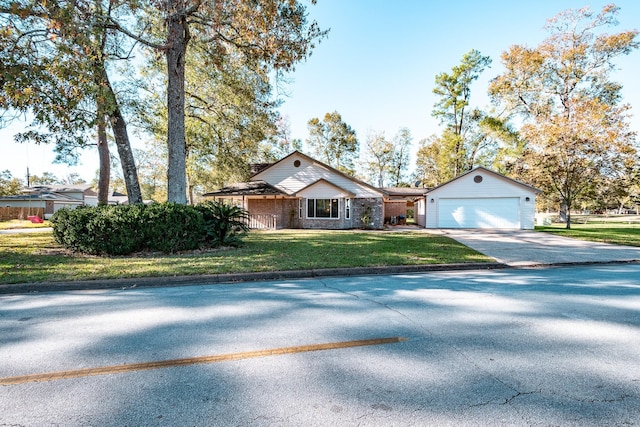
<point x="482" y="168"/>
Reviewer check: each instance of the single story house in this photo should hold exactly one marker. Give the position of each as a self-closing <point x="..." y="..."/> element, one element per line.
<point x="51" y="198"/>
<point x="301" y="192"/>
<point x="479" y="198"/>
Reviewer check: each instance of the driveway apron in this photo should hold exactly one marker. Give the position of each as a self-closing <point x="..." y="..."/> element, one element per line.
<point x="528" y="248"/>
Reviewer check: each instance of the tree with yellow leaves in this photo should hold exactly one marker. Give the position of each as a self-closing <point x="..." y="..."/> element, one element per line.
<point x="573" y="119"/>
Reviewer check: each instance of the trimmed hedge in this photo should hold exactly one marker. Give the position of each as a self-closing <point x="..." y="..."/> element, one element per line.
<point x="124" y="229"/>
<point x="172" y="227"/>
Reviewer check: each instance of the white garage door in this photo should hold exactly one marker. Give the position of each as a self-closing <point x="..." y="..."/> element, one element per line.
<point x="479" y="213"/>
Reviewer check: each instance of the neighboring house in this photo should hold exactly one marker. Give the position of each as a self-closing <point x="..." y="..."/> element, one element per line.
<point x="51" y="198"/>
<point x="300" y="192"/>
<point x="479" y="198"/>
<point x="116" y="198"/>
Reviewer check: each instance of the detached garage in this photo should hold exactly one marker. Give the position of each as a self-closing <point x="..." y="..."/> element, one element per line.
<point x="481" y="198"/>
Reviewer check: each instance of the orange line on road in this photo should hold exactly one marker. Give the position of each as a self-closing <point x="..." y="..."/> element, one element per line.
<point x="118" y="369"/>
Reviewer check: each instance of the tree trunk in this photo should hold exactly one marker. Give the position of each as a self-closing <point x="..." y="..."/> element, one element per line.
<point x="127" y="159"/>
<point x="176" y="143"/>
<point x="121" y="136"/>
<point x="105" y="161"/>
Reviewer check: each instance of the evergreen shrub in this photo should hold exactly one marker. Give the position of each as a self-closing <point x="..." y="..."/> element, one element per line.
<point x="225" y="224"/>
<point x="165" y="227"/>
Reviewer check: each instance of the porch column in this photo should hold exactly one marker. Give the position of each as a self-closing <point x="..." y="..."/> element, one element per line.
<point x="275" y="210"/>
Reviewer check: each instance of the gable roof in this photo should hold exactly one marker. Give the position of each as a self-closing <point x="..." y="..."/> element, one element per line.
<point x="324" y="181"/>
<point x="63" y="188"/>
<point x="496" y="174"/>
<point x="58" y="193"/>
<point x="324" y="165"/>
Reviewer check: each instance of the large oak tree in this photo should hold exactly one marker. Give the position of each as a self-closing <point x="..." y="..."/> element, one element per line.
<point x="267" y="35"/>
<point x="574" y="121"/>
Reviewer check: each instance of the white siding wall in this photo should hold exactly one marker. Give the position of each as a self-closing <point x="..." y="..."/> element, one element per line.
<point x="62" y="205"/>
<point x="432" y="212"/>
<point x="492" y="185"/>
<point x="75" y="195"/>
<point x="528" y="211"/>
<point x="291" y="179"/>
<point x="91" y="200"/>
<point x="323" y="190"/>
<point x="419" y="212"/>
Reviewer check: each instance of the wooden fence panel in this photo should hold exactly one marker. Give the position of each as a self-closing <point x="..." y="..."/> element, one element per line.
<point x="394" y="209"/>
<point x="262" y="222"/>
<point x="8" y="213"/>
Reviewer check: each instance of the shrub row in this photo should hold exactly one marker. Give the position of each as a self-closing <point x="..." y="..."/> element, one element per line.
<point x="124" y="229"/>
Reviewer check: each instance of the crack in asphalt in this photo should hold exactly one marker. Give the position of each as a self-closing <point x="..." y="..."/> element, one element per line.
<point x="612" y="400"/>
<point x="524" y="393"/>
<point x="507" y="401"/>
<point x="459" y="351"/>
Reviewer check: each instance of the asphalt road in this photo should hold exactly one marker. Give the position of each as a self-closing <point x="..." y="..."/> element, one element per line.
<point x="557" y="346"/>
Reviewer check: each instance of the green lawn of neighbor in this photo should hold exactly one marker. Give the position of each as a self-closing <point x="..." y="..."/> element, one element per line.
<point x="35" y="257"/>
<point x="619" y="233"/>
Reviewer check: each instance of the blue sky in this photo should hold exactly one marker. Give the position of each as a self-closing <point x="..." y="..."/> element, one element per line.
<point x="378" y="64"/>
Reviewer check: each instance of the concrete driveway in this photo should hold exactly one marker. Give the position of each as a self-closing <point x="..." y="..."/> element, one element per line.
<point x="528" y="248"/>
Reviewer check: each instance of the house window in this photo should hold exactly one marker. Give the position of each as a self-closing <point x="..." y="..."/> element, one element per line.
<point x="347" y="208"/>
<point x="300" y="208"/>
<point x="322" y="208"/>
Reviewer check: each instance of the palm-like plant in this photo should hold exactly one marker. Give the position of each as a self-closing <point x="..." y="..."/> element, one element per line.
<point x="225" y="224"/>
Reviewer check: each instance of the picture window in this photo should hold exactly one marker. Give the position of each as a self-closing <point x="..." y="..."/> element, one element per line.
<point x="322" y="208"/>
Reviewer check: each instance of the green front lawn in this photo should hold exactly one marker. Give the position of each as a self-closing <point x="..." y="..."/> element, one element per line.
<point x="607" y="232"/>
<point x="36" y="257"/>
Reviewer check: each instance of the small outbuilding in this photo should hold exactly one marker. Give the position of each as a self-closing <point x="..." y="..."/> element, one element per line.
<point x="480" y="198"/>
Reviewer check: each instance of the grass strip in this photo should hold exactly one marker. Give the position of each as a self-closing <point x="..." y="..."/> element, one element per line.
<point x="613" y="233"/>
<point x="35" y="257"/>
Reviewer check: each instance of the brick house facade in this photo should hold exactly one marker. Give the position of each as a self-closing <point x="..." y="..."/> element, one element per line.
<point x="301" y="192"/>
